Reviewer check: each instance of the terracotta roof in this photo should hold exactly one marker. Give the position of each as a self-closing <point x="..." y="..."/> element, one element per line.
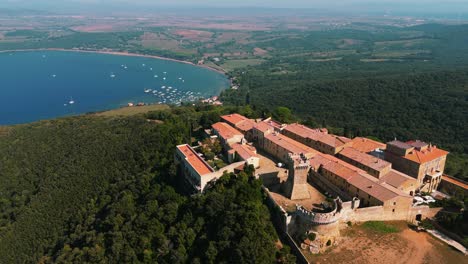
<point x="396" y="178"/>
<point x="423" y="156"/>
<point x="399" y="144"/>
<point x="263" y="127"/>
<point x="289" y="144"/>
<point x="455" y="181"/>
<point x="244" y="151"/>
<point x="234" y="119"/>
<point x="245" y="125"/>
<point x="417" y="144"/>
<point x="365" y="159"/>
<point x="317" y="135"/>
<point x="273" y="123"/>
<point x="192" y="157"/>
<point x="226" y="131"/>
<point x="322" y="159"/>
<point x="367" y="145"/>
<point x="364" y="182"/>
<point x="356" y="177"/>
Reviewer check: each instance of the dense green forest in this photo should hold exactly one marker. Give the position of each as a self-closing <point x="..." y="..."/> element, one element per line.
<point x="102" y="190"/>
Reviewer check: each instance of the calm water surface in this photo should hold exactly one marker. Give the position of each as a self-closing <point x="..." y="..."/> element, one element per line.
<point x="47" y="84"/>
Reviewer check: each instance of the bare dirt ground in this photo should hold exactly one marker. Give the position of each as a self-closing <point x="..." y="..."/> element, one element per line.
<point x="406" y="247"/>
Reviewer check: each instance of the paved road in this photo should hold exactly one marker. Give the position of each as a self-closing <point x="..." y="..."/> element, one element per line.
<point x="448" y="240"/>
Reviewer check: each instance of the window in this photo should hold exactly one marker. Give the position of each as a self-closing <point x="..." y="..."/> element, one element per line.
<point x="393" y="210"/>
<point x="394" y="203"/>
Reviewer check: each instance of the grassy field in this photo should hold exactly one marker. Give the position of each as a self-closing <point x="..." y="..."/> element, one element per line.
<point x="380" y="227"/>
<point x="130" y="111"/>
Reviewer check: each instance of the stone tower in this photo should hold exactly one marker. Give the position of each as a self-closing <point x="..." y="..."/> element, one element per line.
<point x="296" y="185"/>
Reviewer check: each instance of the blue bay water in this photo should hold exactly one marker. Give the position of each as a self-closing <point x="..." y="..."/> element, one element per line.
<point x="40" y="85"/>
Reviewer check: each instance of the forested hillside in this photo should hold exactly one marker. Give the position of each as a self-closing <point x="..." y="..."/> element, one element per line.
<point x="430" y="106"/>
<point x="91" y="189"/>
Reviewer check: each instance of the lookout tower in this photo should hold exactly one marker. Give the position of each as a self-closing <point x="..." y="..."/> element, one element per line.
<point x="296" y="185"/>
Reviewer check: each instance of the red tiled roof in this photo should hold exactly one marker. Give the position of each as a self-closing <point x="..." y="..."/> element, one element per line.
<point x="234" y="119"/>
<point x="290" y="145"/>
<point x="245" y="125"/>
<point x="423" y="156"/>
<point x="317" y="135"/>
<point x="273" y="123"/>
<point x="226" y="131"/>
<point x="396" y="178"/>
<point x="365" y="159"/>
<point x="197" y="163"/>
<point x="367" y="145"/>
<point x="263" y="127"/>
<point x="244" y="151"/>
<point x="356" y="177"/>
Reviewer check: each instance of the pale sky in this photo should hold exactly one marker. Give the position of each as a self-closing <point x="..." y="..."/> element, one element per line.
<point x="364" y="5"/>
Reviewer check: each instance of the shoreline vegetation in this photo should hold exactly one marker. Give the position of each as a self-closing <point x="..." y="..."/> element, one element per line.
<point x="120" y="53"/>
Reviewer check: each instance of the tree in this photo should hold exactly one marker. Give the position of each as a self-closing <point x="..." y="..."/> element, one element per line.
<point x="283" y="114"/>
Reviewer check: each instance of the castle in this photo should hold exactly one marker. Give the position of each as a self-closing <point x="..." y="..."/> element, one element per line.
<point x="367" y="180"/>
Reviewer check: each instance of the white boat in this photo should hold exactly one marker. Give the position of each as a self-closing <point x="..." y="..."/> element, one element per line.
<point x="148" y="90"/>
<point x="164" y="78"/>
<point x="53" y="75"/>
<point x="112" y="75"/>
<point x="143" y="65"/>
<point x="71" y="101"/>
<point x="164" y="72"/>
<point x="151" y="69"/>
<point x="155" y="76"/>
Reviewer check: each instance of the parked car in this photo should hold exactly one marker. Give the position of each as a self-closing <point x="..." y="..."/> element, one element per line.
<point x="429" y="199"/>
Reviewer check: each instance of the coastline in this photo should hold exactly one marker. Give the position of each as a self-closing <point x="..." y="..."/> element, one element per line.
<point x="119" y="53"/>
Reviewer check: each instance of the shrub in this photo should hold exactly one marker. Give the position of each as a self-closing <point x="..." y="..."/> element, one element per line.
<point x="312" y="236"/>
<point x="426" y="224"/>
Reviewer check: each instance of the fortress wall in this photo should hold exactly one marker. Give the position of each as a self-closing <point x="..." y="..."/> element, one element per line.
<point x="423" y="210"/>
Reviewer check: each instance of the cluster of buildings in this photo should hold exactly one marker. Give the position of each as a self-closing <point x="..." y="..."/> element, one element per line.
<point x="401" y="167"/>
<point x="374" y="181"/>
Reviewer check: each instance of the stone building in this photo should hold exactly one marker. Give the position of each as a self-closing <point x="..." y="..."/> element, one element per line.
<point x="372" y="165"/>
<point x="296" y="185"/>
<point x="195" y="171"/>
<point x="422" y="161"/>
<point x="244" y="152"/>
<point x="227" y="134"/>
<point x="280" y="147"/>
<point x="350" y="182"/>
<point x="379" y="169"/>
<point x="240" y="122"/>
<point x="318" y="139"/>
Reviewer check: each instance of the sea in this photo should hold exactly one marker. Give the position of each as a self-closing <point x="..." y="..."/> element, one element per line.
<point x="37" y="85"/>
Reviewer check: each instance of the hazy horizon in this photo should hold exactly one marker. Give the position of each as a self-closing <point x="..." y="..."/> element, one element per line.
<point x="417" y="6"/>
